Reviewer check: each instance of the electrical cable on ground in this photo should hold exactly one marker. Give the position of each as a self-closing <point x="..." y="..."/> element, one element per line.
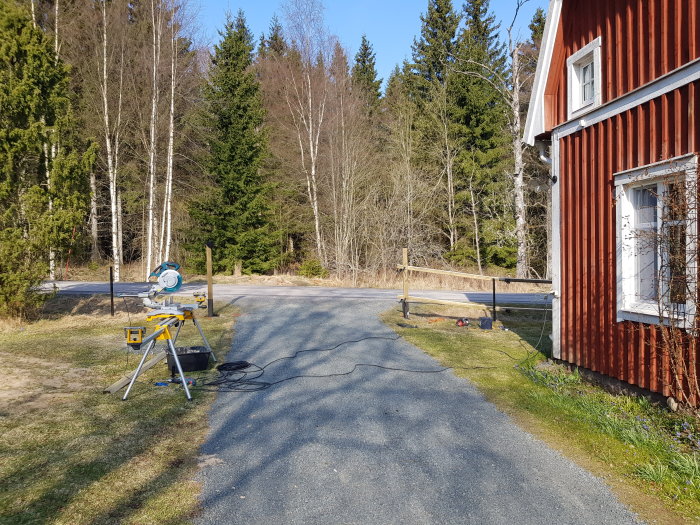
<point x="241" y="376"/>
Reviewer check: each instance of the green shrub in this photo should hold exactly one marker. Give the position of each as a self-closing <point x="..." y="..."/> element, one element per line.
<point x="312" y="268"/>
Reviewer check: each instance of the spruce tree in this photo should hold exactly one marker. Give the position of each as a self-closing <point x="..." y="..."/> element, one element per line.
<point x="434" y="51"/>
<point x="234" y="216"/>
<point x="364" y="71"/>
<point x="42" y="168"/>
<point x="536" y="26"/>
<point x="481" y="113"/>
<point x="274" y="44"/>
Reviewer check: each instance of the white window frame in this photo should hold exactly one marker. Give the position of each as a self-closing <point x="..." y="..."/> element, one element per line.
<point x="588" y="54"/>
<point x="628" y="306"/>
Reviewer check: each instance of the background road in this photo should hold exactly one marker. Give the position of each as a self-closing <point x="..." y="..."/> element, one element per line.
<point x="374" y="446"/>
<point x="231" y="291"/>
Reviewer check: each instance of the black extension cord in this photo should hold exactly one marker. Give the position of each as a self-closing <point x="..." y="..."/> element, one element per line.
<point x="234" y="376"/>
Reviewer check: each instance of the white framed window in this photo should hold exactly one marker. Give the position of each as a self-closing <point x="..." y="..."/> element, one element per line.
<point x="656" y="241"/>
<point x="584" y="79"/>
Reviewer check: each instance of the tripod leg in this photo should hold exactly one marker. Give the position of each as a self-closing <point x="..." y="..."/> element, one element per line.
<point x="206" y="343"/>
<point x="179" y="369"/>
<point x="174" y="341"/>
<point x="138" y="369"/>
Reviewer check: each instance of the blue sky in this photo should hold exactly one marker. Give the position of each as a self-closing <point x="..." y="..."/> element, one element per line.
<point x="390" y="25"/>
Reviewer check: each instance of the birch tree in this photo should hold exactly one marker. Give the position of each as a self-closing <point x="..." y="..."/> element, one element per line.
<point x="350" y="151"/>
<point x="156" y="34"/>
<point x="112" y="128"/>
<point x="306" y="94"/>
<point x="166" y="217"/>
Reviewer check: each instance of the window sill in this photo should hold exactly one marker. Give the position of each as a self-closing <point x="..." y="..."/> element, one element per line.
<point x="649" y="314"/>
<point x="583" y="111"/>
<point x="639" y="314"/>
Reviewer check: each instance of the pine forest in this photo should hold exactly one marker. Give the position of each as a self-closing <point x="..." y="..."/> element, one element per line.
<point x="126" y="142"/>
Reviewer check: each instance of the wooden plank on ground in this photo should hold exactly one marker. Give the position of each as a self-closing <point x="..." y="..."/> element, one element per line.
<point x="426" y="300"/>
<point x="127" y="378"/>
<point x="412" y="299"/>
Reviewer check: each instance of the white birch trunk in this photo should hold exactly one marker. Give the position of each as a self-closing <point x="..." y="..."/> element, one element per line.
<point x="171" y="146"/>
<point x="111" y="165"/>
<point x="120" y="228"/>
<point x="314" y="133"/>
<point x="448" y="159"/>
<point x="47" y="168"/>
<point x="307" y="115"/>
<point x="519" y="186"/>
<point x="95" y="250"/>
<point x="55" y="32"/>
<point x="150" y="210"/>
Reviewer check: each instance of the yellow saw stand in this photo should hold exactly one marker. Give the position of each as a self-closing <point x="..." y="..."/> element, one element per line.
<point x="167" y="321"/>
<point x="168" y="316"/>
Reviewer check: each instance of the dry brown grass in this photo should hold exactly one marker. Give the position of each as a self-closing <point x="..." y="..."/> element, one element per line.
<point x="71" y="454"/>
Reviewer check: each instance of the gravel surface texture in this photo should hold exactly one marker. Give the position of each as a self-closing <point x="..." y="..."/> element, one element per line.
<point x="376" y="446"/>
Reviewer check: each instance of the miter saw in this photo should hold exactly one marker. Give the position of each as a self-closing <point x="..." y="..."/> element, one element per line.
<point x="168" y="315"/>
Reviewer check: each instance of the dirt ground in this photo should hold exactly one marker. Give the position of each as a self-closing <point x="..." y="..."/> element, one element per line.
<point x="30" y="383"/>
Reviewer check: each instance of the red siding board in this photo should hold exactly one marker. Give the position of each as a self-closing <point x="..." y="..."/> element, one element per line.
<point x="585" y="220"/>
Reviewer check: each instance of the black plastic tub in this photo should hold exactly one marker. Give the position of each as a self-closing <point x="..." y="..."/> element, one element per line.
<point x="192" y="359"/>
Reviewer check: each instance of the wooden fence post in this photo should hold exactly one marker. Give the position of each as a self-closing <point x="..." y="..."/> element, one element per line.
<point x="494" y="300"/>
<point x="404" y="301"/>
<point x="210" y="284"/>
<point x="405" y="274"/>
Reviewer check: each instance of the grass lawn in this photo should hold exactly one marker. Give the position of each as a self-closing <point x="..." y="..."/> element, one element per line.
<point x="71" y="454"/>
<point x="649" y="456"/>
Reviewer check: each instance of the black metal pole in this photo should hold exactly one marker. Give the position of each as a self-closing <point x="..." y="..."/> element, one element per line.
<point x="111" y="289"/>
<point x="494" y="299"/>
<point x="210" y="282"/>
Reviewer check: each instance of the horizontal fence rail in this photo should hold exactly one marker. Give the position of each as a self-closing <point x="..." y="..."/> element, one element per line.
<point x="406" y="298"/>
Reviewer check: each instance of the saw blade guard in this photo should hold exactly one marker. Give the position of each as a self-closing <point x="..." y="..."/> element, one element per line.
<point x="169" y="279"/>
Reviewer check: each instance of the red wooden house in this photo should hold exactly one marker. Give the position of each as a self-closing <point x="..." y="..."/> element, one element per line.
<point x="615" y="98"/>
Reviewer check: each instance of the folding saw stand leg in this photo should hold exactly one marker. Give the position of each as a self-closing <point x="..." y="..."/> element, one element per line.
<point x="179" y="369"/>
<point x="138" y="368"/>
<point x="163" y="332"/>
<point x="206" y="343"/>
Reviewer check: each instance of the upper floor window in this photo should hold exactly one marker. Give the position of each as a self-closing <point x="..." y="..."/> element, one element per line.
<point x="584" y="79"/>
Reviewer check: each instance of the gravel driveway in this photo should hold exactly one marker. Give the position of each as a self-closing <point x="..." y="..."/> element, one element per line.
<point x="376" y="446"/>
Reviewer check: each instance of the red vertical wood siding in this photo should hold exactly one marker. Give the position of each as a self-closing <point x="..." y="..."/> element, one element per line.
<point x="641" y="41"/>
<point x="591" y="337"/>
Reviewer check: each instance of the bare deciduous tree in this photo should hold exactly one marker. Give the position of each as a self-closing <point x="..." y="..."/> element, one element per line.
<point x="306" y="93"/>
